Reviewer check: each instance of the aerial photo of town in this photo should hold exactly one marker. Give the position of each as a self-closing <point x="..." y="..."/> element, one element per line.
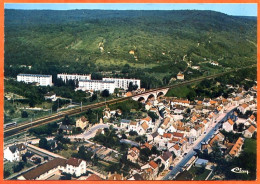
<point x="130" y="92"/>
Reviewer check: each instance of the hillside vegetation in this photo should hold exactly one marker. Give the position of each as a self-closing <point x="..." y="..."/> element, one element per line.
<point x="151" y="45"/>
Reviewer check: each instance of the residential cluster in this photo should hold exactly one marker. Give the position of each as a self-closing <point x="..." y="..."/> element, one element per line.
<point x="84" y="81"/>
<point x="176" y="128"/>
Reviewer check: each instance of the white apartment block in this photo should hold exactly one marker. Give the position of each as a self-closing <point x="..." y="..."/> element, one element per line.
<point x="97" y="85"/>
<point x="65" y="76"/>
<point x="42" y="80"/>
<point x="123" y="83"/>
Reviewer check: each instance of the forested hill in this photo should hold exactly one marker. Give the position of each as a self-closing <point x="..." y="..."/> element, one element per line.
<point x="84" y="41"/>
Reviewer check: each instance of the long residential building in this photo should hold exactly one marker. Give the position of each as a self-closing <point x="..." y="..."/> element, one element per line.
<point x="123" y="83"/>
<point x="42" y="80"/>
<point x="96" y="85"/>
<point x="65" y="76"/>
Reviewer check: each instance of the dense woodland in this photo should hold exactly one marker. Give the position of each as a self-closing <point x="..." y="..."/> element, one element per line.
<point x="164" y="42"/>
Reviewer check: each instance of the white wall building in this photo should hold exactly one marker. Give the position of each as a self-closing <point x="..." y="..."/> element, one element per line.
<point x="65" y="76"/>
<point x="11" y="154"/>
<point x="97" y="85"/>
<point x="75" y="166"/>
<point x="123" y="83"/>
<point x="42" y="80"/>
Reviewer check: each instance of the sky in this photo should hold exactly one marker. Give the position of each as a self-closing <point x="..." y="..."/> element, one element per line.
<point x="244" y="9"/>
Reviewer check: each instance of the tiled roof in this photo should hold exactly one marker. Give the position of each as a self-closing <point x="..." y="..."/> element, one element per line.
<point x="38" y="171"/>
<point x="147" y="118"/>
<point x="214" y="139"/>
<point x="74" y="161"/>
<point x="83" y="118"/>
<point x="251" y="129"/>
<point x="147" y="145"/>
<point x="155" y="134"/>
<point x="236" y="147"/>
<point x="93" y="177"/>
<point x="167" y="135"/>
<point x="135" y="149"/>
<point x="176" y="146"/>
<point x="166" y="121"/>
<point x="115" y="177"/>
<point x="244" y="105"/>
<point x="212" y="102"/>
<point x="153" y="164"/>
<point x="252" y="117"/>
<point x="205" y="121"/>
<point x="166" y="155"/>
<point x="199" y="102"/>
<point x="145" y="126"/>
<point x="177" y="134"/>
<point x="231" y="122"/>
<point x="133" y="123"/>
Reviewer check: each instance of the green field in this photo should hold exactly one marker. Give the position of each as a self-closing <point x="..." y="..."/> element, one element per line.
<point x="180" y="92"/>
<point x="201" y="176"/>
<point x="250" y="146"/>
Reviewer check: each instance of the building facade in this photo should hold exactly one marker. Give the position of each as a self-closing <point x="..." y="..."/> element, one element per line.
<point x="42" y="80"/>
<point x="97" y="85"/>
<point x="123" y="83"/>
<point x="65" y="77"/>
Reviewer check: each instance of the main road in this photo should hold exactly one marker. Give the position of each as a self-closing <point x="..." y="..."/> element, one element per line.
<point x="203" y="138"/>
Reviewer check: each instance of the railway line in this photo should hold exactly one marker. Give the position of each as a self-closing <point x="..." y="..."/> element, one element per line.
<point x="11" y="131"/>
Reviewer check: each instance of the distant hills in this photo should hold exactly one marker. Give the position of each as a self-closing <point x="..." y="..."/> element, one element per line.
<point x="87" y="41"/>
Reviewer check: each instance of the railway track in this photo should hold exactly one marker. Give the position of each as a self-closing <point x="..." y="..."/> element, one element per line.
<point x="45" y="120"/>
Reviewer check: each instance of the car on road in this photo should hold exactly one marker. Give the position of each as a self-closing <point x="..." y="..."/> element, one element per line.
<point x="185" y="154"/>
<point x="204" y="132"/>
<point x="170" y="177"/>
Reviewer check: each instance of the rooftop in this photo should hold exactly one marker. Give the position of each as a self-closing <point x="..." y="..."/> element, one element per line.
<point x="34" y="75"/>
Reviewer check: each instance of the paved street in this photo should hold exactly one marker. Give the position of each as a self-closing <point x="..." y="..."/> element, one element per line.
<point x="92" y="131"/>
<point x="197" y="144"/>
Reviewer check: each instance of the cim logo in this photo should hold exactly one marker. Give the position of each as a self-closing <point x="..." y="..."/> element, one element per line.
<point x="239" y="170"/>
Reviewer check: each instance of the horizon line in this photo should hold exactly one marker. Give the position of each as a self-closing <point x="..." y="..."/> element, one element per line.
<point x="233" y="9"/>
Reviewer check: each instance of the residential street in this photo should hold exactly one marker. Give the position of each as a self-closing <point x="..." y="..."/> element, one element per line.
<point x="197" y="144"/>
